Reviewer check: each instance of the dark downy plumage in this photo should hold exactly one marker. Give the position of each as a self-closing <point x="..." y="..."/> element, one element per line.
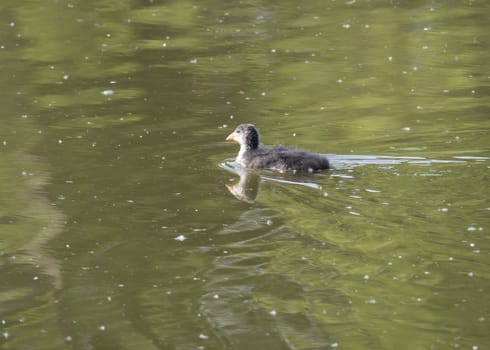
<point x="277" y="158"/>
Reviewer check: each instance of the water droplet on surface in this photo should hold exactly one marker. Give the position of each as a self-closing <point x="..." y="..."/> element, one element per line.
<point x="107" y="92"/>
<point x="180" y="238"/>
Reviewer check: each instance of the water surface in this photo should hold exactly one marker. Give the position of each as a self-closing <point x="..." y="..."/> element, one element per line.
<point x="123" y="223"/>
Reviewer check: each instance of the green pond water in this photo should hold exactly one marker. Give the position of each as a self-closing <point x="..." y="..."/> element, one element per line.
<point x="126" y="224"/>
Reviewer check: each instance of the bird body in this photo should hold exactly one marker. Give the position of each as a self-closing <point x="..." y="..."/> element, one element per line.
<point x="279" y="158"/>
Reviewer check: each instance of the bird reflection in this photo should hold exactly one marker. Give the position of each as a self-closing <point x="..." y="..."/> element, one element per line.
<point x="247" y="188"/>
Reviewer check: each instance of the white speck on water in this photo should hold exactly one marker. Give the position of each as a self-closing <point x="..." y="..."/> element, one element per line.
<point x="269" y="222"/>
<point x="102" y="328"/>
<point x="263" y="93"/>
<point x="109" y="298"/>
<point x="365" y="277"/>
<point x="470" y="274"/>
<point x="107" y="92"/>
<point x="180" y="238"/>
<point x="273" y="51"/>
<point x="354" y="213"/>
<point x="406" y="128"/>
<point x="193" y="61"/>
<point x="6" y="335"/>
<point x="472" y="245"/>
<point x="12" y="24"/>
<point x="65" y="77"/>
<point x="371" y="301"/>
<point x="120" y="285"/>
<point x="68" y="338"/>
<point x="426" y="273"/>
<point x="35" y="278"/>
<point x="273" y="312"/>
<point x="346" y="25"/>
<point x="427" y="29"/>
<point x="340" y="81"/>
<point x="390" y="58"/>
<point x="334" y="345"/>
<point x="419" y="107"/>
<point x="216" y="296"/>
<point x="471" y="228"/>
<point x="203" y="336"/>
<point x="325" y="194"/>
<point x="60" y="141"/>
<point x="451" y="258"/>
<point x="475" y="347"/>
<point x="372" y="191"/>
<point x="444" y="210"/>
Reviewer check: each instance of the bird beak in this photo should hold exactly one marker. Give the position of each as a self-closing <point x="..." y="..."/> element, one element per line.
<point x="231" y="137"/>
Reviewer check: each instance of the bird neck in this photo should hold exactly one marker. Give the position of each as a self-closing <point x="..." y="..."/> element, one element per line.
<point x="241" y="153"/>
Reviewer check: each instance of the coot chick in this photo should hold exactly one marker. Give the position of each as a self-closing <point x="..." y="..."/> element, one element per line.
<point x="277" y="158"/>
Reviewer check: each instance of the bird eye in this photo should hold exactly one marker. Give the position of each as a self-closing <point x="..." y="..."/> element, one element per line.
<point x="238" y="131"/>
